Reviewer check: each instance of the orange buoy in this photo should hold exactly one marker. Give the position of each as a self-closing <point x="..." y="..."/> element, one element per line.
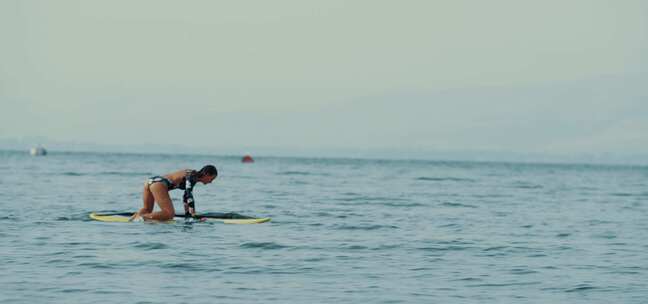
<point x="247" y="159"/>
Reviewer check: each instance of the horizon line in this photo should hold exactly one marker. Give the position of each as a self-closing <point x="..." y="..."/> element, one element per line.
<point x="549" y="160"/>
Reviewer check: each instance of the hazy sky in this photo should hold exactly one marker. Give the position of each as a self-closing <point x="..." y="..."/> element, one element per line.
<point x="521" y="76"/>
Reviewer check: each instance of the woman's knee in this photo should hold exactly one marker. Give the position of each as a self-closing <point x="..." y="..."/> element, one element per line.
<point x="168" y="214"/>
<point x="166" y="207"/>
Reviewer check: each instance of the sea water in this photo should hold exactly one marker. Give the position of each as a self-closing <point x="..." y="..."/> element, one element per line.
<point x="342" y="231"/>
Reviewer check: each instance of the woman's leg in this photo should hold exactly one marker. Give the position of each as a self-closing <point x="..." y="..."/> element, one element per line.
<point x="161" y="196"/>
<point x="147" y="199"/>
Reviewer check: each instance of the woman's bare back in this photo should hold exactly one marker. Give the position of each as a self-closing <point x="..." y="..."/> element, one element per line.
<point x="177" y="177"/>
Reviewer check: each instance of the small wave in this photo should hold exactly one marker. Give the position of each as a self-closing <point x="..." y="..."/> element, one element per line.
<point x="629" y="270"/>
<point x="56" y="261"/>
<point x="96" y="265"/>
<point x="498" y="248"/>
<point x="106" y="292"/>
<point x="598" y="222"/>
<point x="354" y="194"/>
<point x="454" y="242"/>
<point x="74" y="290"/>
<point x="450" y="225"/>
<point x="536" y="255"/>
<point x="298" y="182"/>
<point x="489" y="196"/>
<point x="294" y="173"/>
<point x="455" y="205"/>
<point x="444" y="179"/>
<point x="387" y="247"/>
<point x="75" y="243"/>
<point x="388" y="201"/>
<point x="623" y="194"/>
<point x="626" y="194"/>
<point x="469" y="279"/>
<point x="525" y="185"/>
<point x="618" y="244"/>
<point x="581" y="288"/>
<point x="73" y="174"/>
<point x="356" y="247"/>
<point x="444" y="248"/>
<point x="522" y="271"/>
<point x="504" y="284"/>
<point x="606" y="235"/>
<point x="622" y="272"/>
<point x="404" y="204"/>
<point x="152" y="246"/>
<point x="586" y="188"/>
<point x="364" y="227"/>
<point x="183" y="266"/>
<point x="263" y="245"/>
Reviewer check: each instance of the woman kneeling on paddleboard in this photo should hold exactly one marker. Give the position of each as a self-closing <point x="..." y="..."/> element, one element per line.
<point x="156" y="190"/>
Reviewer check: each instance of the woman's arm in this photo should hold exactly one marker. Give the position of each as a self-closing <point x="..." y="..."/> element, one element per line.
<point x="187" y="198"/>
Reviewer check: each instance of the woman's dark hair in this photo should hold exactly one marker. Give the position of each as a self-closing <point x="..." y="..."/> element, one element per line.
<point x="208" y="170"/>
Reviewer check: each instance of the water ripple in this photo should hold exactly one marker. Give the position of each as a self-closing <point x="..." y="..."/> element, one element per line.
<point x="445" y="179"/>
<point x="364" y="227"/>
<point x="505" y="284"/>
<point x="374" y="232"/>
<point x="152" y="246"/>
<point x="457" y="205"/>
<point x="581" y="288"/>
<point x="263" y="245"/>
<point x="294" y="173"/>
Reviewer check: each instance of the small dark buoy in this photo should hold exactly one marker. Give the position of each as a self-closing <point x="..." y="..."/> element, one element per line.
<point x="247" y="159"/>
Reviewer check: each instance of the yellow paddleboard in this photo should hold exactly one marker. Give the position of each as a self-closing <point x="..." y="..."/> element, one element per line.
<point x="227" y="218"/>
